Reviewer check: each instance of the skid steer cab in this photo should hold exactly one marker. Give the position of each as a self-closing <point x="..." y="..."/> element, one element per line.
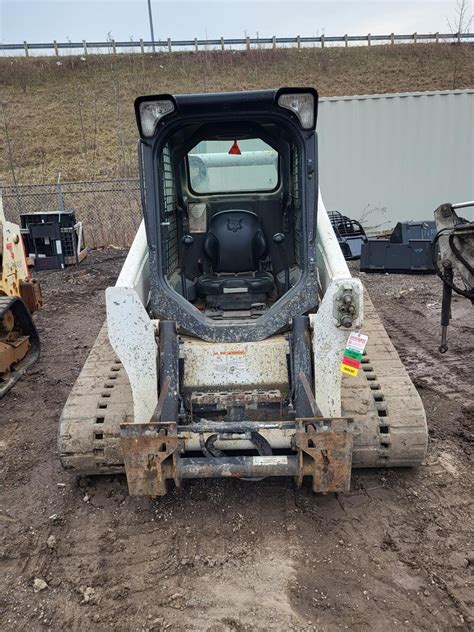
<point x="226" y="329"/>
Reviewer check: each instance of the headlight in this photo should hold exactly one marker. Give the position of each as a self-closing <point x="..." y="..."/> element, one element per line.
<point x="151" y="112"/>
<point x="302" y="104"/>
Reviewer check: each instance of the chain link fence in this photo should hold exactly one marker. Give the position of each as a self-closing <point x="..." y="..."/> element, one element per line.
<point x="110" y="210"/>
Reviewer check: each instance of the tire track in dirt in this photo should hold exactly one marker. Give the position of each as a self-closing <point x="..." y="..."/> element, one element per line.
<point x="227" y="556"/>
<point x="443" y="373"/>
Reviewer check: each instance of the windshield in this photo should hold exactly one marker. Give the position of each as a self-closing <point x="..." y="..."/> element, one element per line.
<point x="226" y="166"/>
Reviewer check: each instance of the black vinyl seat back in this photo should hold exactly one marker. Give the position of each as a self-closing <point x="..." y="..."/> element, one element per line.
<point x="235" y="242"/>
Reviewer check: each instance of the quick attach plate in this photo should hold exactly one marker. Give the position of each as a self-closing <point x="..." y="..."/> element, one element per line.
<point x="324" y="447"/>
<point x="225" y="400"/>
<point x="149" y="452"/>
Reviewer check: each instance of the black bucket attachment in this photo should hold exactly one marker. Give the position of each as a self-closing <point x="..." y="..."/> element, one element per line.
<point x="407" y="251"/>
<point x="350" y="234"/>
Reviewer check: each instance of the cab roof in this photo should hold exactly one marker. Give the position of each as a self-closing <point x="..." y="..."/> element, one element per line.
<point x="209" y="104"/>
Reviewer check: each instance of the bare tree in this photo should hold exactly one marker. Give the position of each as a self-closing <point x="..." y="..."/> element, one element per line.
<point x="459" y="24"/>
<point x="83" y="131"/>
<point x="109" y="40"/>
<point x="462" y="20"/>
<point x="10" y="154"/>
<point x="119" y="120"/>
<point x="6" y="129"/>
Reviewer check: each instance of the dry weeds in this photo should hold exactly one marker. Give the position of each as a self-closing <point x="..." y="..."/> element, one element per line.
<point x="74" y="115"/>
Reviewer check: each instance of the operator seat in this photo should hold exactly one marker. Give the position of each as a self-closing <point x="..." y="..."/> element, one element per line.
<point x="234" y="245"/>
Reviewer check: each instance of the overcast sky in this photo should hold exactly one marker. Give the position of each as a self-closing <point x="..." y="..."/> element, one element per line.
<point x="39" y="21"/>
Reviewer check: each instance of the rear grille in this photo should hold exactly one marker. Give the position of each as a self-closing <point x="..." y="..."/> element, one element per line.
<point x="170" y="232"/>
<point x="295" y="178"/>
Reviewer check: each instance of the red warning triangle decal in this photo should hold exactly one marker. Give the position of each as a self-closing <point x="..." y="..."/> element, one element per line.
<point x="235" y="149"/>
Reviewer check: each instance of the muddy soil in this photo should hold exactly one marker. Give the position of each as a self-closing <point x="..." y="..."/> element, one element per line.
<point x="393" y="554"/>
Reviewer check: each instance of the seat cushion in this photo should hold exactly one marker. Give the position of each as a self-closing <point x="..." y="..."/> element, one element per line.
<point x="234" y="241"/>
<point x="244" y="282"/>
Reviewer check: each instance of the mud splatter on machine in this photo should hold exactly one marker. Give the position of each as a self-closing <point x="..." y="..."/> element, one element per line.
<point x="222" y="354"/>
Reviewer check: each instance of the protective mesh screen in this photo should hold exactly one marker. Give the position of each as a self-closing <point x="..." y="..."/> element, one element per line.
<point x="296" y="203"/>
<point x="170" y="232"/>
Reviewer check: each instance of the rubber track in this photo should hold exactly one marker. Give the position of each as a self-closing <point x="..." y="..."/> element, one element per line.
<point x="390" y="422"/>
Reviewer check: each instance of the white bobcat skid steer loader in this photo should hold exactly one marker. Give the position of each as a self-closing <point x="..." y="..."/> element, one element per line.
<point x="221" y="355"/>
<point x="19" y="297"/>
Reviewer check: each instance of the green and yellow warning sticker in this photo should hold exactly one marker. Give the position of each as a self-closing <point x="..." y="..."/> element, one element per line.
<point x="353" y="353"/>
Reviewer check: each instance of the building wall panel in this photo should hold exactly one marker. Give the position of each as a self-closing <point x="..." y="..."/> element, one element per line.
<point x="396" y="157"/>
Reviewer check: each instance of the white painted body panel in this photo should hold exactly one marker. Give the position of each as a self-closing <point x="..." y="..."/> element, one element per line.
<point x="215" y="366"/>
<point x="329" y="340"/>
<point x="131" y="331"/>
<point x="229" y="365"/>
<point x="135" y="273"/>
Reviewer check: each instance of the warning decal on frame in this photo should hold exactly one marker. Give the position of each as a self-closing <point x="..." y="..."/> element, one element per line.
<point x="353" y="353"/>
<point x="231" y="360"/>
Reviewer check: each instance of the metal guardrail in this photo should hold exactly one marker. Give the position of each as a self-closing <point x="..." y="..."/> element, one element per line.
<point x="247" y="42"/>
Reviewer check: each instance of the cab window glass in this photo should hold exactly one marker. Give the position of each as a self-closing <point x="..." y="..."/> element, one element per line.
<point x="226" y="166"/>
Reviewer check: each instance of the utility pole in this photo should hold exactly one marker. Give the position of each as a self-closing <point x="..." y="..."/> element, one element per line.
<point x="150" y="16"/>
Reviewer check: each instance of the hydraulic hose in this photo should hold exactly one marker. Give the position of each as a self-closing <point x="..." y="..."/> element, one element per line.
<point x="442" y="274"/>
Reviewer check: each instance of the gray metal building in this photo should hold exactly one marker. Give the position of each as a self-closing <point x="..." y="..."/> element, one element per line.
<point x="394" y="157"/>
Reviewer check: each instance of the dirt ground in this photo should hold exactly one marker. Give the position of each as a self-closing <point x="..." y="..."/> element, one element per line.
<point x="393" y="554"/>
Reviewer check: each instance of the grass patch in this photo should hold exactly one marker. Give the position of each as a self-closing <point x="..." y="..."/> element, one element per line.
<point x="74" y="115"/>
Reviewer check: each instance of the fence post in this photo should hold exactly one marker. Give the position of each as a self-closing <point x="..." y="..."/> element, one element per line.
<point x="59" y="190"/>
<point x="458" y="37"/>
